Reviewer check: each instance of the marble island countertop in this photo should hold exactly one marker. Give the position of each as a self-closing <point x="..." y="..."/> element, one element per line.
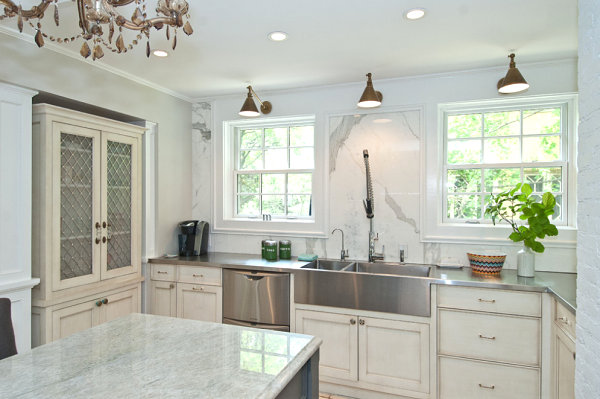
<point x="561" y="285"/>
<point x="145" y="356"/>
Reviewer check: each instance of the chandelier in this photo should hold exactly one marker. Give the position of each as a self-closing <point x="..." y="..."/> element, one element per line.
<point x="102" y="25"/>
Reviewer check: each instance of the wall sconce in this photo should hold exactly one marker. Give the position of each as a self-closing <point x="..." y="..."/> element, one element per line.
<point x="249" y="108"/>
<point x="370" y="98"/>
<point x="513" y="82"/>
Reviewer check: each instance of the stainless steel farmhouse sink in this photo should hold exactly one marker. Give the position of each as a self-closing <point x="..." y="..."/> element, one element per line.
<point x="382" y="287"/>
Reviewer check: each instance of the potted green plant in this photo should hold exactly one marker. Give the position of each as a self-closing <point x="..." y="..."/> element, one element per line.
<point x="529" y="219"/>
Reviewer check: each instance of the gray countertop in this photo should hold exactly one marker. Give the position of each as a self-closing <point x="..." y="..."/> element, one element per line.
<point x="561" y="285"/>
<point x="145" y="356"/>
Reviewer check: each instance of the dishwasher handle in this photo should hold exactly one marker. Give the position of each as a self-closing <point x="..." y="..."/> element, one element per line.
<point x="255" y="278"/>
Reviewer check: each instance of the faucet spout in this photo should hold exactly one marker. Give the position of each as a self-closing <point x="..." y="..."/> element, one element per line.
<point x="344" y="252"/>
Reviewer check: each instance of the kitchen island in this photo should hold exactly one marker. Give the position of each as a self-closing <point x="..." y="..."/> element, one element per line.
<point x="158" y="357"/>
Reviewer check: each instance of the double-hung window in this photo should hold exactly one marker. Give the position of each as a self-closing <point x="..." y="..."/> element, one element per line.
<point x="274" y="167"/>
<point x="491" y="149"/>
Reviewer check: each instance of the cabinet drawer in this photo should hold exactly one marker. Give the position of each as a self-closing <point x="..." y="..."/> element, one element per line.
<point x="490" y="300"/>
<point x="164" y="272"/>
<point x="564" y="319"/>
<point x="200" y="275"/>
<point x="464" y="379"/>
<point x="490" y="337"/>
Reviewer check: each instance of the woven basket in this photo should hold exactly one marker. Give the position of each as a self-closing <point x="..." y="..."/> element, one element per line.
<point x="488" y="264"/>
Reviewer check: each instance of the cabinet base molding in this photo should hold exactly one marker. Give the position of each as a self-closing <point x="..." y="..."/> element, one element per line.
<point x="354" y="392"/>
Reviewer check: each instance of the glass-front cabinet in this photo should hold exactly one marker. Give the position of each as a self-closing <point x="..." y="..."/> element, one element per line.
<point x="89" y="188"/>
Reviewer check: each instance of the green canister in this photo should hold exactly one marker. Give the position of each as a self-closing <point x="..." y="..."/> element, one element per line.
<point x="262" y="246"/>
<point x="285" y="249"/>
<point x="271" y="250"/>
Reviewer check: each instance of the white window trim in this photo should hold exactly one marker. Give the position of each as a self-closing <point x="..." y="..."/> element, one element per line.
<point x="433" y="227"/>
<point x="224" y="220"/>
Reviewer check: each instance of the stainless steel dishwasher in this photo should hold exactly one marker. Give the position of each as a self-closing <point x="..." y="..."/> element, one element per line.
<point x="256" y="299"/>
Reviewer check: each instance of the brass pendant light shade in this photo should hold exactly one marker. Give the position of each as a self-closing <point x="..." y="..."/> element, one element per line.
<point x="249" y="108"/>
<point x="370" y="97"/>
<point x="513" y="82"/>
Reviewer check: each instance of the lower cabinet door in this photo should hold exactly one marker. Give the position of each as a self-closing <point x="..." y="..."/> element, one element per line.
<point x="393" y="353"/>
<point x="199" y="302"/>
<point x="73" y="319"/>
<point x="564" y="366"/>
<point x="338" y="353"/>
<point x="163" y="298"/>
<point x="465" y="379"/>
<point x="119" y="305"/>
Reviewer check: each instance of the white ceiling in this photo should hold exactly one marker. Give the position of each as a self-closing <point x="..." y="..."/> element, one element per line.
<point x="338" y="41"/>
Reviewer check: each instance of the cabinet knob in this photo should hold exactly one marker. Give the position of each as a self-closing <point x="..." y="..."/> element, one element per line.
<point x="105" y="301"/>
<point x="104" y="239"/>
<point x="361" y="322"/>
<point x="97" y="241"/>
<point x="171" y="286"/>
<point x="564" y="320"/>
<point x="353" y="321"/>
<point x="104" y="224"/>
<point x="98" y="303"/>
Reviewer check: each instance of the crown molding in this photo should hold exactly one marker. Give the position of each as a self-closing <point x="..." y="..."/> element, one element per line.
<point x="26" y="37"/>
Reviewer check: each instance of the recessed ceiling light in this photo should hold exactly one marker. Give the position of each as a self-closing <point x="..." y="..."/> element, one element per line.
<point x="160" y="53"/>
<point x="278" y="36"/>
<point x="415" y="13"/>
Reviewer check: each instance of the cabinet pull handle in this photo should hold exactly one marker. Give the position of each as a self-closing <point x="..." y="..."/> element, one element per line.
<point x="159" y="272"/>
<point x="574" y="356"/>
<point x="197" y="289"/>
<point x="105" y="301"/>
<point x="98" y="233"/>
<point x="361" y="322"/>
<point x="487" y="300"/>
<point x="564" y="320"/>
<point x="98" y="303"/>
<point x="97" y="241"/>
<point x="353" y="321"/>
<point x="487" y="386"/>
<point x="484" y="337"/>
<point x="104" y="224"/>
<point x="197" y="275"/>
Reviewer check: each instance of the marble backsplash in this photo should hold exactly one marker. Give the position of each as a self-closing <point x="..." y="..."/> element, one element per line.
<point x="395" y="143"/>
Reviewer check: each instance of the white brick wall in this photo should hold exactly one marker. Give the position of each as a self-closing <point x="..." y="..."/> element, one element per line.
<point x="587" y="383"/>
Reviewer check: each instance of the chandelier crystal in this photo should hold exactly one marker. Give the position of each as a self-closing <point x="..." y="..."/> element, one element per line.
<point x="100" y="21"/>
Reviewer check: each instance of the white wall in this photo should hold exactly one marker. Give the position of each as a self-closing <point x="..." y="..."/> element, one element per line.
<point x="587" y="380"/>
<point x="423" y="92"/>
<point x="23" y="64"/>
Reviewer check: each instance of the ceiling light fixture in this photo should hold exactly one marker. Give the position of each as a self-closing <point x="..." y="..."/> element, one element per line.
<point x="415" y="13"/>
<point x="278" y="36"/>
<point x="99" y="16"/>
<point x="160" y="53"/>
<point x="370" y="97"/>
<point x="513" y="82"/>
<point x="249" y="108"/>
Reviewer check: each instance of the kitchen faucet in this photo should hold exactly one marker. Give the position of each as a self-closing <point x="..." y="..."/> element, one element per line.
<point x="369" y="205"/>
<point x="344" y="253"/>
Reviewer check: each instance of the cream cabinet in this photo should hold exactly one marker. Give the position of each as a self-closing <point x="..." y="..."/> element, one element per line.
<point x="563" y="353"/>
<point x="489" y="343"/>
<point x="70" y="317"/>
<point x="190" y="292"/>
<point x="86" y="207"/>
<point x="370" y="353"/>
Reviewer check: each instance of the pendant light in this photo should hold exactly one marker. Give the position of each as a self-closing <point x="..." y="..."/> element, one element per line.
<point x="513" y="82"/>
<point x="370" y="97"/>
<point x="249" y="108"/>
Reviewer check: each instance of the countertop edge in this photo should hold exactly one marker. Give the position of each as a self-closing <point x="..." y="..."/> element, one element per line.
<point x="289" y="372"/>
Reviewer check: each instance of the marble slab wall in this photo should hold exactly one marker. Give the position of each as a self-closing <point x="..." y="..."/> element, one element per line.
<point x="395" y="141"/>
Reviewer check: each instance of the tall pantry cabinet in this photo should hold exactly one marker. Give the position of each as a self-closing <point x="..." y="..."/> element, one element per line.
<point x="86" y="245"/>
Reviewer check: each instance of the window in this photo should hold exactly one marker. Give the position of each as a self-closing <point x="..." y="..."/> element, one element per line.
<point x="271" y="166"/>
<point x="274" y="169"/>
<point x="489" y="151"/>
